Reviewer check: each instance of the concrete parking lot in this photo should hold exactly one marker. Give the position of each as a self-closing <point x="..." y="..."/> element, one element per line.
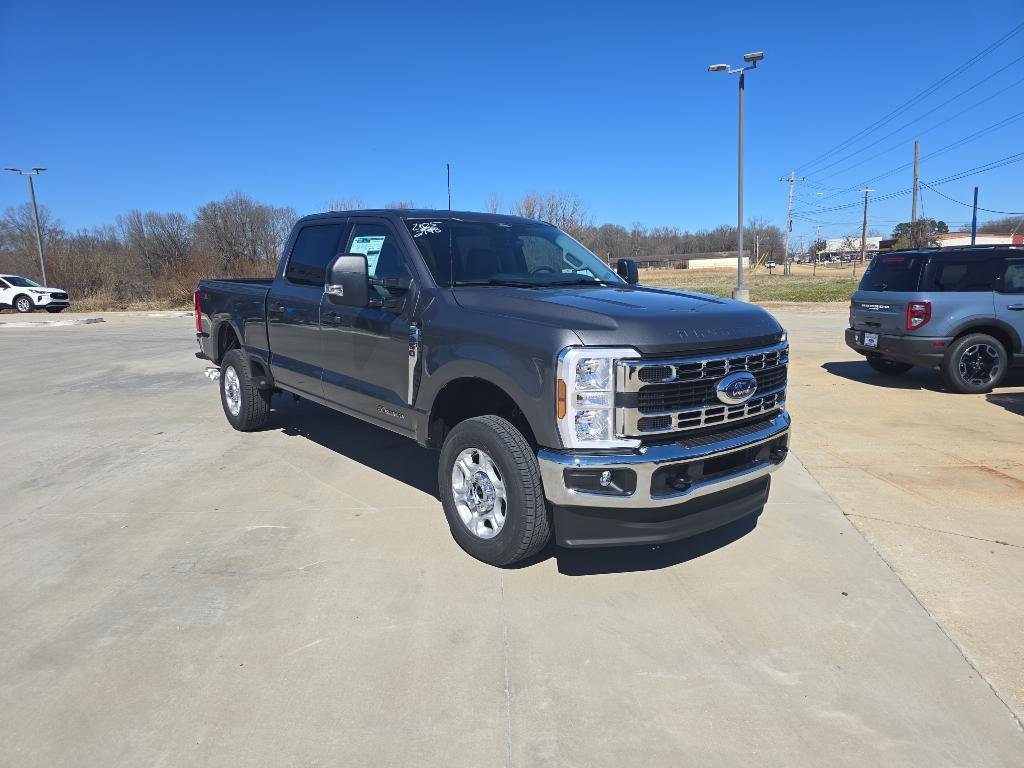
<point x="173" y="592"/>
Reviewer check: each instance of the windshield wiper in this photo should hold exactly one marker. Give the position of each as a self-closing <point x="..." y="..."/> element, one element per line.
<point x="511" y="283"/>
<point x="583" y="281"/>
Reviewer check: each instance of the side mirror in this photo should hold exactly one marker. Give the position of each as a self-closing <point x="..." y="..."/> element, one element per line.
<point x="627" y="271"/>
<point x="348" y="282"/>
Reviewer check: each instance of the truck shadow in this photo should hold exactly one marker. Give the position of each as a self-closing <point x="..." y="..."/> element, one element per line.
<point x="403" y="460"/>
<point x="859" y="371"/>
<point x="915" y="378"/>
<point x="1011" y="401"/>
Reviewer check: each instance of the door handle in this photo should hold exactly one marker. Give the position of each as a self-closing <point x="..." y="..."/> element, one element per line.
<point x="1015" y="307"/>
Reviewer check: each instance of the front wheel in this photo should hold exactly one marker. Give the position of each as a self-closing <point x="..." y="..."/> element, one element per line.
<point x="246" y="406"/>
<point x="491" y="491"/>
<point x="974" y="364"/>
<point x="23" y="304"/>
<point x="888" y="367"/>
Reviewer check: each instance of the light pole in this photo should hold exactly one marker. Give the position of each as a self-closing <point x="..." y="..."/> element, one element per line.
<point x="35" y="211"/>
<point x="740" y="292"/>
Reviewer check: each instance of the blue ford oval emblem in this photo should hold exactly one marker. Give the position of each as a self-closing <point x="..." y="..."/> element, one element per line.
<point x="736" y="388"/>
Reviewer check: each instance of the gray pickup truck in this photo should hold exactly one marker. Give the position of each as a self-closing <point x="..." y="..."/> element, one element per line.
<point x="564" y="397"/>
<point x="960" y="310"/>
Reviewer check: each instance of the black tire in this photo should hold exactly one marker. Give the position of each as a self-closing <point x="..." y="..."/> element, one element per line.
<point x="253" y="404"/>
<point x="23" y="304"/>
<point x="888" y="367"/>
<point x="526" y="529"/>
<point x="964" y="366"/>
<point x="54" y="310"/>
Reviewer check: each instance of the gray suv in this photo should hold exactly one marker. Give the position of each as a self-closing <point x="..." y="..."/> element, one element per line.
<point x="960" y="310"/>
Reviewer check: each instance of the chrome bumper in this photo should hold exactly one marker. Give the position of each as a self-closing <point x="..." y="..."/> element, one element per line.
<point x="646" y="461"/>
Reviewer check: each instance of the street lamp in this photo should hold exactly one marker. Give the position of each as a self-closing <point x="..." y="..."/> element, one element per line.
<point x="35" y="171"/>
<point x="740" y="292"/>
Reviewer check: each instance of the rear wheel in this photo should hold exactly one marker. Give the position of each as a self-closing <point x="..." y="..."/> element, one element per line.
<point x="23" y="304"/>
<point x="888" y="367"/>
<point x="491" y="491"/>
<point x="974" y="364"/>
<point x="245" y="405"/>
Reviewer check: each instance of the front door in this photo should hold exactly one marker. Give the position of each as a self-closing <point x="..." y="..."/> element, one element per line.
<point x="366" y="349"/>
<point x="293" y="309"/>
<point x="1010" y="296"/>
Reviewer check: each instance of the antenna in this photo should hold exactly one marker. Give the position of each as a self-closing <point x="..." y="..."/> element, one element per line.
<point x="449" y="167"/>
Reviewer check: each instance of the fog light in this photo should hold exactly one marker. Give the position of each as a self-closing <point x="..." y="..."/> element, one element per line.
<point x="606" y="479"/>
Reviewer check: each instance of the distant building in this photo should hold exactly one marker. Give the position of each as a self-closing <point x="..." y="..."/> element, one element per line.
<point x="849" y="246"/>
<point x="714" y="260"/>
<point x="951" y="239"/>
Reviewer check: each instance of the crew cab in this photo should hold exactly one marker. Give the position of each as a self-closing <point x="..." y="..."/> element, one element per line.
<point x="565" y="399"/>
<point x="24" y="295"/>
<point x="959" y="310"/>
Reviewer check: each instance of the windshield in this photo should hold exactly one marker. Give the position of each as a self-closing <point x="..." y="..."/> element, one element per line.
<point x="892" y="273"/>
<point x="531" y="254"/>
<point x="21" y="282"/>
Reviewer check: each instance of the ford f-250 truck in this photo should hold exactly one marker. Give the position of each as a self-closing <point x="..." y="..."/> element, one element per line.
<point x="563" y="396"/>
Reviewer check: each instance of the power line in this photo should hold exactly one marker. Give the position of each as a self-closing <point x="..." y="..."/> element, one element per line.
<point x="915" y="100"/>
<point x="970" y="205"/>
<point x="1008" y="160"/>
<point x="920" y="133"/>
<point x="941" y="151"/>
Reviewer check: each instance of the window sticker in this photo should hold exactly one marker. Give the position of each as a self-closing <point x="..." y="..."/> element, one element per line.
<point x="421" y="228"/>
<point x="370" y="246"/>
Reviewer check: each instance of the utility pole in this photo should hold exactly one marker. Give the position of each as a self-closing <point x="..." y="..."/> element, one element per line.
<point x="792" y="179"/>
<point x="817" y="239"/>
<point x="974" y="218"/>
<point x="35" y="212"/>
<point x="913" y="205"/>
<point x="863" y="231"/>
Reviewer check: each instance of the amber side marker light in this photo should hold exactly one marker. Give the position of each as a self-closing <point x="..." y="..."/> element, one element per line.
<point x="560" y="399"/>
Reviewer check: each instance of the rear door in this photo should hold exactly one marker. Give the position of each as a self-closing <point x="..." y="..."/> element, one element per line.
<point x="293" y="308"/>
<point x="1009" y="296"/>
<point x="889" y="284"/>
<point x="366" y="349"/>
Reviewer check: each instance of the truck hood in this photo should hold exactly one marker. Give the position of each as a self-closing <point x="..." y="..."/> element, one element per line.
<point x="655" y="321"/>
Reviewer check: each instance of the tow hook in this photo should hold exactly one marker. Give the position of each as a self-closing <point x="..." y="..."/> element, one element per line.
<point x="779" y="453"/>
<point x="212" y="373"/>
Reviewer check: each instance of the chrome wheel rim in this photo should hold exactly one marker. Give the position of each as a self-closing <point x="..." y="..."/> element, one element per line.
<point x="24" y="305"/>
<point x="478" y="491"/>
<point x="232" y="391"/>
<point x="979" y="364"/>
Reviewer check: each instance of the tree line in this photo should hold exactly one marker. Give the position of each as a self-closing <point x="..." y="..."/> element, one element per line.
<point x="149" y="258"/>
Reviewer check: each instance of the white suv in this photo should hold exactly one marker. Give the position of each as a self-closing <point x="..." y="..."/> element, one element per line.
<point x="24" y="295"/>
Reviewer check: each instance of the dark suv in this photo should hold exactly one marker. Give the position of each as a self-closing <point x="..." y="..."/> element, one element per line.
<point x="960" y="310"/>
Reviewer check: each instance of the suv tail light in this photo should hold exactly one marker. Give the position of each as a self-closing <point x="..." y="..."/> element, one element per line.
<point x="918" y="313"/>
<point x="199" y="311"/>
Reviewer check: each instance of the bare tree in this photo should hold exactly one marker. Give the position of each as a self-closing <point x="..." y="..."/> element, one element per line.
<point x="400" y="204"/>
<point x="353" y="203"/>
<point x="156" y="240"/>
<point x="238" y="230"/>
<point x="18" y="253"/>
<point x="494" y="202"/>
<point x="565" y="211"/>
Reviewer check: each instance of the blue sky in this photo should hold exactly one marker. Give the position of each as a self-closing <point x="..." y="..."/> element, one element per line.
<point x="167" y="106"/>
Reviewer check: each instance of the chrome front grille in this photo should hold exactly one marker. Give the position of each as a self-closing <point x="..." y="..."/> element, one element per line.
<point x="662" y="396"/>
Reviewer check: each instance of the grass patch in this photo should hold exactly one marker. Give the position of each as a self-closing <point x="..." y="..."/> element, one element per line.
<point x="830" y="284"/>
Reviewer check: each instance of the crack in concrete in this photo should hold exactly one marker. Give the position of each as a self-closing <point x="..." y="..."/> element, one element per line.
<point x="508" y="675"/>
<point x="963" y="654"/>
<point x="935" y="530"/>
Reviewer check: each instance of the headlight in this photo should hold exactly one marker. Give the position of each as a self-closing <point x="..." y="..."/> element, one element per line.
<point x="585" y="407"/>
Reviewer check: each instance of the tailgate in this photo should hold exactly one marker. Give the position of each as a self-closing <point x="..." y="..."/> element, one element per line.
<point x="879" y="312"/>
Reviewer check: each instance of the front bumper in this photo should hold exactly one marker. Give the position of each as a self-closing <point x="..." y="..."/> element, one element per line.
<point x="924" y="351"/>
<point x="663" y="485"/>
